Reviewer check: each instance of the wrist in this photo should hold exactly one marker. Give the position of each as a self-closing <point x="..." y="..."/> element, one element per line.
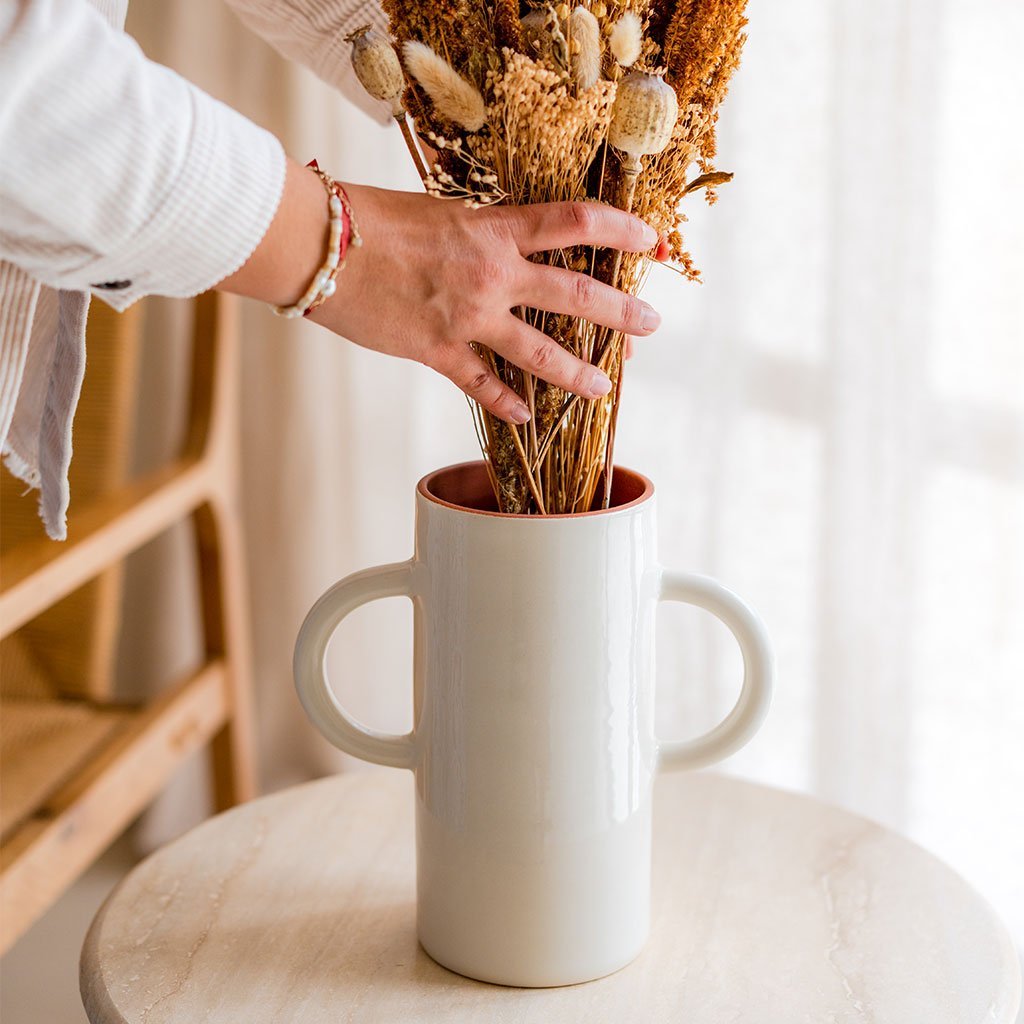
<point x="292" y="250"/>
<point x="342" y="235"/>
<point x="352" y="281"/>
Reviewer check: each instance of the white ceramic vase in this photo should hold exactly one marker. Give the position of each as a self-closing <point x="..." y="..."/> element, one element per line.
<point x="533" y="744"/>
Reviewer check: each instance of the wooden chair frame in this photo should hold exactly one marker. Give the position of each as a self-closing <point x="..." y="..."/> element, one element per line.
<point x="212" y="706"/>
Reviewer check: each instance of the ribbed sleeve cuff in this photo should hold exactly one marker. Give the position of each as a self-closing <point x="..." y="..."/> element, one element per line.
<point x="219" y="209"/>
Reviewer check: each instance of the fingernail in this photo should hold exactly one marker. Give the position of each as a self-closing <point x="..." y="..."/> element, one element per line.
<point x="600" y="385"/>
<point x="520" y="413"/>
<point x="650" y="318"/>
<point x="650" y="236"/>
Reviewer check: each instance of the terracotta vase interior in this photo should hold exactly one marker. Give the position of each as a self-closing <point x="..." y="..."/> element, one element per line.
<point x="467" y="487"/>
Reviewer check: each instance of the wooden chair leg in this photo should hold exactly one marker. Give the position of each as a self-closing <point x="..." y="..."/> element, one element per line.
<point x="218" y="531"/>
<point x="224" y="601"/>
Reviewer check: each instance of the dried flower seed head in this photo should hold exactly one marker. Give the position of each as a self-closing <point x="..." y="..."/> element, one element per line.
<point x="585" y="34"/>
<point x="644" y="114"/>
<point x="626" y="39"/>
<point x="377" y="67"/>
<point x="559" y="44"/>
<point x="535" y="33"/>
<point x="507" y="30"/>
<point x="545" y="40"/>
<point x="453" y="97"/>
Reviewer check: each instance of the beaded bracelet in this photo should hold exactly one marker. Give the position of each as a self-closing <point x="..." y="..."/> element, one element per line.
<point x="343" y="233"/>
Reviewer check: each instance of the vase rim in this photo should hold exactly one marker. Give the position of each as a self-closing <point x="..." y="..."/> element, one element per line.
<point x="457" y="487"/>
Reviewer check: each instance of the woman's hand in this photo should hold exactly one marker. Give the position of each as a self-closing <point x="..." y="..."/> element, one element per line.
<point x="431" y="276"/>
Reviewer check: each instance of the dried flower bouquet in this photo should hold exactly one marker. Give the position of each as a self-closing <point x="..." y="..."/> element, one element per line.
<point x="614" y="101"/>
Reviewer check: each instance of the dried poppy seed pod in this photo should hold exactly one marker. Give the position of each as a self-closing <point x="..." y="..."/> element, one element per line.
<point x="585" y="33"/>
<point x="377" y="67"/>
<point x="643" y="115"/>
<point x="380" y="73"/>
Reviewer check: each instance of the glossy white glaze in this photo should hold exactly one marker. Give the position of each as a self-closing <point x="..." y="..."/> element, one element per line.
<point x="533" y="743"/>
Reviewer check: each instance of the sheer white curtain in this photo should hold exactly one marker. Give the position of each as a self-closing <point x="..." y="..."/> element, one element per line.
<point x="834" y="420"/>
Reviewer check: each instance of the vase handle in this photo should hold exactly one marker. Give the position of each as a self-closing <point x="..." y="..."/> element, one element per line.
<point x="758" y="671"/>
<point x="310" y="668"/>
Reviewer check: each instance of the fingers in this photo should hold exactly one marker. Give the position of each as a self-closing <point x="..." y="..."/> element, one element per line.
<point x="535" y="352"/>
<point x="530" y="350"/>
<point x="464" y="368"/>
<point x="543" y="226"/>
<point x="563" y="291"/>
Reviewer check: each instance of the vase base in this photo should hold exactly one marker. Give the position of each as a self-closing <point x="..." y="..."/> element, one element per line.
<point x="530" y="977"/>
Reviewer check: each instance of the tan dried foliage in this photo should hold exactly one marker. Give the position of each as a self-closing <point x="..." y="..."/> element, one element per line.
<point x="540" y="134"/>
<point x="454" y="98"/>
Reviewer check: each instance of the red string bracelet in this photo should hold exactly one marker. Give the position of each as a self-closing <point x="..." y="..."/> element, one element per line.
<point x="342" y="234"/>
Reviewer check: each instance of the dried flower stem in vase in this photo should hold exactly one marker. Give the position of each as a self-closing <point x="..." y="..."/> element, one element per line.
<point x="643" y="119"/>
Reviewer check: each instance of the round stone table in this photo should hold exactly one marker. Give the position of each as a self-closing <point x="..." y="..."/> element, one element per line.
<point x="769" y="908"/>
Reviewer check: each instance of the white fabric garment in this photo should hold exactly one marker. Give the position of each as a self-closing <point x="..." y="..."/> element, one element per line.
<point x="119" y="178"/>
<point x="37" y="444"/>
<point x="42" y="329"/>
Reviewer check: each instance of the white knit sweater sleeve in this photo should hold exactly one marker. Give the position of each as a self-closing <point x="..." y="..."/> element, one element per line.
<point x="117" y="175"/>
<point x="313" y="32"/>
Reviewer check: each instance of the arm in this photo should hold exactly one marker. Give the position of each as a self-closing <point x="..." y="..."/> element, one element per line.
<point x="432" y="276"/>
<point x="116" y="171"/>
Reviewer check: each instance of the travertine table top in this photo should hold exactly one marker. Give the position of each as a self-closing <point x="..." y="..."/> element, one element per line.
<point x="769" y="908"/>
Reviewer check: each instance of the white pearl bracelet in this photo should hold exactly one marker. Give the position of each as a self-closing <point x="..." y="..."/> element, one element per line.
<point x="342" y="234"/>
